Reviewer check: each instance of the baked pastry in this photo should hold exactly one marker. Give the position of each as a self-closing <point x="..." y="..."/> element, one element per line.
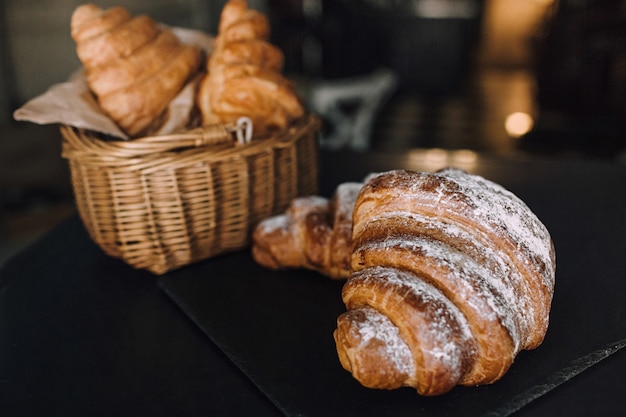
<point x="452" y="275"/>
<point x="244" y="74"/>
<point x="134" y="66"/>
<point x="314" y="233"/>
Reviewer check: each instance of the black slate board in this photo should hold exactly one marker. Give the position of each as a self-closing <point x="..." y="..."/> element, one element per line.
<point x="277" y="326"/>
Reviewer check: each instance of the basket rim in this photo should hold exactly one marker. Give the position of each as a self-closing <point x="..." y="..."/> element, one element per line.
<point x="154" y="151"/>
<point x="196" y="137"/>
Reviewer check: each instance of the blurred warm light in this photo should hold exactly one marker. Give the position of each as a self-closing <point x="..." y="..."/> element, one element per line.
<point x="464" y="158"/>
<point x="436" y="156"/>
<point x="518" y="124"/>
<point x="509" y="28"/>
<point x="435" y="159"/>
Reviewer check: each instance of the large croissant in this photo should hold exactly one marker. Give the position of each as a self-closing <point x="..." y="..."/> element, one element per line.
<point x="452" y="275"/>
<point x="244" y="74"/>
<point x="134" y="66"/>
<point x="314" y="233"/>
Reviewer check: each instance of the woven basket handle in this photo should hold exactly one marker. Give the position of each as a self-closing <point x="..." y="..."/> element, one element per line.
<point x="79" y="146"/>
<point x="219" y="134"/>
<point x="211" y="135"/>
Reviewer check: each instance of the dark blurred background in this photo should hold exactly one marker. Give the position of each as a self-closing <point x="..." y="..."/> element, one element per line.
<point x="528" y="77"/>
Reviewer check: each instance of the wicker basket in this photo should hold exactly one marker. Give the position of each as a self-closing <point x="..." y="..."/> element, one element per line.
<point x="163" y="202"/>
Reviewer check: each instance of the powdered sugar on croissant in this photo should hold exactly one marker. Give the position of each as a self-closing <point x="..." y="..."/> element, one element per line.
<point x="452" y="276"/>
<point x="314" y="233"/>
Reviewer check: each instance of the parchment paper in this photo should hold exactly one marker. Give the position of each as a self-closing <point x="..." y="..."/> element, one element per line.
<point x="72" y="103"/>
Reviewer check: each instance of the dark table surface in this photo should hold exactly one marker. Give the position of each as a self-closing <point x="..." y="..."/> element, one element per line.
<point x="82" y="334"/>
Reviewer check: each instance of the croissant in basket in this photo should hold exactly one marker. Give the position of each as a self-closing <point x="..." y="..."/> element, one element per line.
<point x="134" y="66"/>
<point x="244" y="74"/>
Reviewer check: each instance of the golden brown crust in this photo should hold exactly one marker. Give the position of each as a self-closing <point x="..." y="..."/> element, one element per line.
<point x="134" y="66"/>
<point x="247" y="23"/>
<point x="473" y="208"/>
<point x="89" y="20"/>
<point x="279" y="241"/>
<point x="266" y="97"/>
<point x="367" y="356"/>
<point x="314" y="233"/>
<point x="484" y="319"/>
<point x="144" y="63"/>
<point x="432" y="327"/>
<point x="117" y="42"/>
<point x="461" y="267"/>
<point x="252" y="52"/>
<point x="137" y="106"/>
<point x="244" y="75"/>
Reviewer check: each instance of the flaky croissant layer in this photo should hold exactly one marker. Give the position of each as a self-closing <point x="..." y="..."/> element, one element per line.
<point x="452" y="275"/>
<point x="134" y="66"/>
<point x="244" y="74"/>
<point x="314" y="233"/>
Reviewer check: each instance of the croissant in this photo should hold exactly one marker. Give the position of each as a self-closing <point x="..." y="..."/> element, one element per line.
<point x="134" y="66"/>
<point x="314" y="233"/>
<point x="244" y="74"/>
<point x="452" y="275"/>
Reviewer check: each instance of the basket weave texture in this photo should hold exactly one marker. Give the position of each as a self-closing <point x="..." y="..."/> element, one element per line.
<point x="163" y="202"/>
